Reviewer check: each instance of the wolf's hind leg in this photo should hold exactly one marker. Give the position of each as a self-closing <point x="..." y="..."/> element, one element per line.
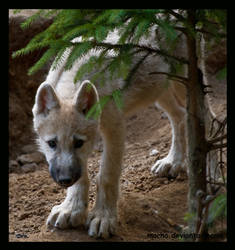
<point x="175" y="161"/>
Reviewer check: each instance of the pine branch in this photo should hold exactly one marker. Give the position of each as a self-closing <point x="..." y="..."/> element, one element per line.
<point x="43" y="60"/>
<point x="128" y="30"/>
<point x="31" y="19"/>
<point x="142" y="47"/>
<point x="134" y="69"/>
<point x="86" y="68"/>
<point x="77" y="52"/>
<point x="180" y="79"/>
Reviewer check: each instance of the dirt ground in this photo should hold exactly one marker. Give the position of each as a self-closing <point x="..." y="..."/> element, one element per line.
<point x="149" y="208"/>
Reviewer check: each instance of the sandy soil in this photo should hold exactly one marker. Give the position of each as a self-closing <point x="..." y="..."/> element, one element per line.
<point x="149" y="208"/>
<point x="146" y="205"/>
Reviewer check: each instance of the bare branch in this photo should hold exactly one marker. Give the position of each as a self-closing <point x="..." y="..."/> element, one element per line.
<point x="221" y="126"/>
<point x="176" y="15"/>
<point x="221" y="35"/>
<point x="217" y="139"/>
<point x="183" y="30"/>
<point x="202" y="212"/>
<point x="216" y="146"/>
<point x="216" y="183"/>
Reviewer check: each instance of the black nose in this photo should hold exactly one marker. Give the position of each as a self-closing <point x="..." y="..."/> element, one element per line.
<point x="65" y="181"/>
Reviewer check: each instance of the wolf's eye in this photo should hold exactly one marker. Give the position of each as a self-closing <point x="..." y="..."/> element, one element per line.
<point x="52" y="143"/>
<point x="78" y="143"/>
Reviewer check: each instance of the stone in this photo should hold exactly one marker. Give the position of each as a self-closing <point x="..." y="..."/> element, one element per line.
<point x="29" y="148"/>
<point x="35" y="157"/>
<point x="13" y="166"/>
<point x="154" y="152"/>
<point x="29" y="167"/>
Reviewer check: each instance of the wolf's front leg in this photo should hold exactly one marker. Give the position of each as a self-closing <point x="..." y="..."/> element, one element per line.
<point x="103" y="217"/>
<point x="72" y="212"/>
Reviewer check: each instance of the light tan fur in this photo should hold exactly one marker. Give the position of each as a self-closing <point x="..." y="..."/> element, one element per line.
<point x="59" y="111"/>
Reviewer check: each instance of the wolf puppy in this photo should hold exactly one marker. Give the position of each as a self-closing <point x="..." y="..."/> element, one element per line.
<point x="67" y="138"/>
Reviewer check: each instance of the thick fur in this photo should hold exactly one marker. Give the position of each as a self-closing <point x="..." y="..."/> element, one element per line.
<point x="59" y="113"/>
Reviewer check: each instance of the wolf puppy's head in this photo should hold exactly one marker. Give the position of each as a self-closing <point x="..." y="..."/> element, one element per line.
<point x="66" y="137"/>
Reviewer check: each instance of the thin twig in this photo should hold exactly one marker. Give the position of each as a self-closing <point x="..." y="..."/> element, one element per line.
<point x="200" y="195"/>
<point x="203" y="207"/>
<point x="217" y="139"/>
<point x="183" y="30"/>
<point x="220" y="128"/>
<point x="217" y="183"/>
<point x="177" y="15"/>
<point x="218" y="146"/>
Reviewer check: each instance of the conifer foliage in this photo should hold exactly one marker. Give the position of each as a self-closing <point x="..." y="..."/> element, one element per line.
<point x="93" y="26"/>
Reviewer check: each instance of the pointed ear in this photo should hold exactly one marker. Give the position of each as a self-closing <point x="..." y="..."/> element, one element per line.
<point x="45" y="100"/>
<point x="86" y="97"/>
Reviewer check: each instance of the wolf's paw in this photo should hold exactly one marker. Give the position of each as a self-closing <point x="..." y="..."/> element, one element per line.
<point x="67" y="215"/>
<point x="167" y="167"/>
<point x="101" y="223"/>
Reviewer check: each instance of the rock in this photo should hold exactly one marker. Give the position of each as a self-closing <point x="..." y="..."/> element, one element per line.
<point x="21" y="235"/>
<point x="181" y="176"/>
<point x="23" y="216"/>
<point x="13" y="166"/>
<point x="35" y="157"/>
<point x="142" y="178"/>
<point x="154" y="152"/>
<point x="133" y="117"/>
<point x="140" y="186"/>
<point x="29" y="148"/>
<point x="146" y="206"/>
<point x="163" y="115"/>
<point x="29" y="167"/>
<point x="11" y="230"/>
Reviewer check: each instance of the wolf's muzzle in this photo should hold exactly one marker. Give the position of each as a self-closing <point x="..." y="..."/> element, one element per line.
<point x="64" y="176"/>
